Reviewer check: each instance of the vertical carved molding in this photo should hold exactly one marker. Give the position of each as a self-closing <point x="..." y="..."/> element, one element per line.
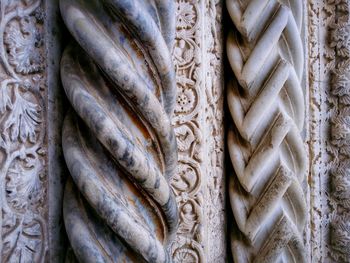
<point x="338" y="142"/>
<point x="316" y="120"/>
<point x="329" y="124"/>
<point x="266" y="147"/>
<point x="118" y="143"/>
<point x="199" y="184"/>
<point x="23" y="148"/>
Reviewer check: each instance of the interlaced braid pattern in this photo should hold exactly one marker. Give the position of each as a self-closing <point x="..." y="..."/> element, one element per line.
<point x="266" y="101"/>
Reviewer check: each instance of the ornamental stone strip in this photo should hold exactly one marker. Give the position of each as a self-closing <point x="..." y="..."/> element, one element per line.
<point x="266" y="101"/>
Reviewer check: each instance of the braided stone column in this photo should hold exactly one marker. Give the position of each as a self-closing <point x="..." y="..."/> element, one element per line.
<point x="118" y="141"/>
<point x="266" y="148"/>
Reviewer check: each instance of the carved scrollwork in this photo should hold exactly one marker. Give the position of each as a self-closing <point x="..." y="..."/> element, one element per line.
<point x="189" y="252"/>
<point x="23" y="182"/>
<point x="266" y="147"/>
<point x="338" y="61"/>
<point x="199" y="131"/>
<point x="187" y="181"/>
<point x="22" y="40"/>
<point x="339" y="238"/>
<point x="119" y="145"/>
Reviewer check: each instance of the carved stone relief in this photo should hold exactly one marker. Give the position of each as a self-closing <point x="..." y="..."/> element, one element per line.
<point x="199" y="183"/>
<point x="329" y="118"/>
<point x="118" y="142"/>
<point x="23" y="91"/>
<point x="265" y="98"/>
<point x="144" y="133"/>
<point x="339" y="143"/>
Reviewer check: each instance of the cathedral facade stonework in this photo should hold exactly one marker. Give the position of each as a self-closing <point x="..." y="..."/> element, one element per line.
<point x="175" y="131"/>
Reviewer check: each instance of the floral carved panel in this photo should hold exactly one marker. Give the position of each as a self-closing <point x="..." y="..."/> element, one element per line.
<point x="329" y="130"/>
<point x="198" y="120"/>
<point x="23" y="180"/>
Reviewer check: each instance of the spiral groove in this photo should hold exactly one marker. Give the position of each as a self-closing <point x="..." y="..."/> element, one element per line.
<point x="266" y="148"/>
<point x="118" y="141"/>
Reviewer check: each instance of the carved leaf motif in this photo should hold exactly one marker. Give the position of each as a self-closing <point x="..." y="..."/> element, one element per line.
<point x="185" y="15"/>
<point x="183" y="54"/>
<point x="24" y="185"/>
<point x="23" y="121"/>
<point x="341" y="184"/>
<point x="23" y="225"/>
<point x="22" y="240"/>
<point x="341" y="86"/>
<point x="343" y="6"/>
<point x="340" y="40"/>
<point x="340" y="238"/>
<point x="341" y="131"/>
<point x="24" y="42"/>
<point x="5" y="99"/>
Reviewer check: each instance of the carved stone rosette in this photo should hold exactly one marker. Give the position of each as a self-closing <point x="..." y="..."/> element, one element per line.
<point x="118" y="143"/>
<point x="266" y="147"/>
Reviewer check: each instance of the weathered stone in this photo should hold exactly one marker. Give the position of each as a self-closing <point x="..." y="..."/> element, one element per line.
<point x="266" y="147"/>
<point x="143" y="138"/>
<point x="118" y="143"/>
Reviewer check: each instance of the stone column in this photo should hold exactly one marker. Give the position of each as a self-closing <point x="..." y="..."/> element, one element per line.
<point x="266" y="101"/>
<point x="118" y="141"/>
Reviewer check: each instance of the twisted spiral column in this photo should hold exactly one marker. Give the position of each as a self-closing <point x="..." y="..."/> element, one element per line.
<point x="266" y="147"/>
<point x="118" y="141"/>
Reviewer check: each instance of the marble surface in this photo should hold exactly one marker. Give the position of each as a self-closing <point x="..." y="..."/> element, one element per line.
<point x="118" y="141"/>
<point x="144" y="133"/>
<point x="266" y="101"/>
